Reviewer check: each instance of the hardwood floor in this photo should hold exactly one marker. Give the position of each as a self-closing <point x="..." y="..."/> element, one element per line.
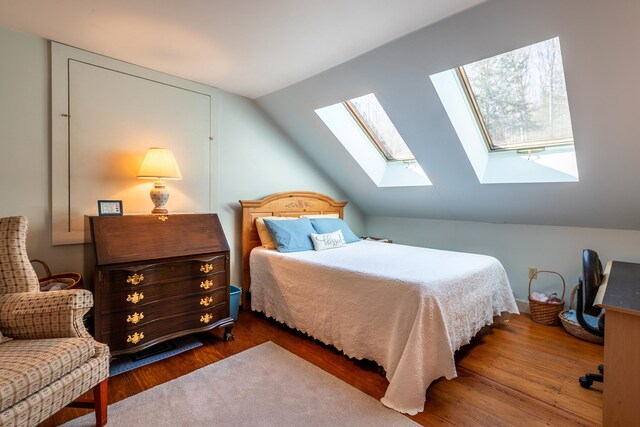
<point x="517" y="374"/>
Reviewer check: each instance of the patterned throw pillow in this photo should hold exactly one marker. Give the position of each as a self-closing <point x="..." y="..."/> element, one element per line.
<point x="329" y="225"/>
<point x="328" y="240"/>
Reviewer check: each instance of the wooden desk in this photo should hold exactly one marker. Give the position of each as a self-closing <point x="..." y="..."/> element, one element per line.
<point x="156" y="279"/>
<point x="622" y="345"/>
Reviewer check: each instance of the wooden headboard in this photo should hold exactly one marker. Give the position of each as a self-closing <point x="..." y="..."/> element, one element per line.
<point x="292" y="204"/>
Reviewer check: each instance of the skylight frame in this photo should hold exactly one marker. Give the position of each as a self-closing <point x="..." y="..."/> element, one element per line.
<point x="375" y="141"/>
<point x="524" y="147"/>
<point x="551" y="165"/>
<point x="353" y="138"/>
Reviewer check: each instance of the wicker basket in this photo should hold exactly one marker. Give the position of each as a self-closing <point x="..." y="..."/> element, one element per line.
<point x="574" y="327"/>
<point x="546" y="313"/>
<point x="69" y="280"/>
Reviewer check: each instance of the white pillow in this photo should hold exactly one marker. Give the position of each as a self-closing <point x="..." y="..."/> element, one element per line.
<point x="328" y="240"/>
<point x="331" y="215"/>
<point x="3" y="338"/>
<point x="263" y="231"/>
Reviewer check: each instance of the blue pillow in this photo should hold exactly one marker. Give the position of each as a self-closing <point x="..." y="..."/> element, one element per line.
<point x="329" y="225"/>
<point x="291" y="236"/>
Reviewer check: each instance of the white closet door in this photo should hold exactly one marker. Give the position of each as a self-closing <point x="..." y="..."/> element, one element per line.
<point x="115" y="117"/>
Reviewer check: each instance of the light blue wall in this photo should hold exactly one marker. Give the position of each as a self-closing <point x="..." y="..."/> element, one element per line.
<point x="25" y="145"/>
<point x="599" y="42"/>
<point x="256" y="158"/>
<point x="518" y="247"/>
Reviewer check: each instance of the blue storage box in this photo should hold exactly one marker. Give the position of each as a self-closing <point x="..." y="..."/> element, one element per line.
<point x="235" y="293"/>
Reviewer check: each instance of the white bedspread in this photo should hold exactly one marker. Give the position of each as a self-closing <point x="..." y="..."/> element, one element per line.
<point x="407" y="308"/>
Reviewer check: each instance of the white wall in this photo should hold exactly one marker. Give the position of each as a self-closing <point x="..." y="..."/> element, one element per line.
<point x="256" y="158"/>
<point x="518" y="247"/>
<point x="119" y="110"/>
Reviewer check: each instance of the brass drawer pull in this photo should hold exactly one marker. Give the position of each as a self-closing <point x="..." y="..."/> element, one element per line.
<point x="206" y="301"/>
<point x="135" y="317"/>
<point x="206" y="268"/>
<point x="206" y="284"/>
<point x="135" y="338"/>
<point x="206" y="318"/>
<point x="135" y="298"/>
<point x="135" y="279"/>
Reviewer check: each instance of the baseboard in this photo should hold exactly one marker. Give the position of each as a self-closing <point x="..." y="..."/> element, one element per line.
<point x="523" y="306"/>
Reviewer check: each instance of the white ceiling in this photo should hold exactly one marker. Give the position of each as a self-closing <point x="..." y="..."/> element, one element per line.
<point x="248" y="47"/>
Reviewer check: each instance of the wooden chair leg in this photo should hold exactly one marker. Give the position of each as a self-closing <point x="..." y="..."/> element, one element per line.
<point x="101" y="397"/>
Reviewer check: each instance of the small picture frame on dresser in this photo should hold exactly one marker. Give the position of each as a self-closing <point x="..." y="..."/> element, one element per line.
<point x="109" y="207"/>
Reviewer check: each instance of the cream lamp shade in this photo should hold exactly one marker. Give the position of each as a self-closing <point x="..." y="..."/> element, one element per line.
<point x="159" y="164"/>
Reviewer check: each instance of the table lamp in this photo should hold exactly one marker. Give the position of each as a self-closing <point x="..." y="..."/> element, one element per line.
<point x="159" y="164"/>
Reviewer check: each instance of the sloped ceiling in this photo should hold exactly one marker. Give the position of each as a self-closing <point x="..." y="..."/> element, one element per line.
<point x="601" y="61"/>
<point x="248" y="47"/>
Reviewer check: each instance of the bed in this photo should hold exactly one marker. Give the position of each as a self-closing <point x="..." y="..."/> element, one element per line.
<point x="407" y="308"/>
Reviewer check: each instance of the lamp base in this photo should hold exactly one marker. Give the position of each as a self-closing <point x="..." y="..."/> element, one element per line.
<point x="159" y="196"/>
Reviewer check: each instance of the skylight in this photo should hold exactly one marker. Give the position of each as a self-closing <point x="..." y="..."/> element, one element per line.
<point x="511" y="114"/>
<point x="370" y="115"/>
<point x="520" y="98"/>
<point x="362" y="126"/>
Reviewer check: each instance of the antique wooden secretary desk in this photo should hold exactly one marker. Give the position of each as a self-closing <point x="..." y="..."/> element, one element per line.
<point x="157" y="278"/>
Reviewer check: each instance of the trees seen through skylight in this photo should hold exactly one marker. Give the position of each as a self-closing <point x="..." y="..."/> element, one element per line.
<point x="520" y="97"/>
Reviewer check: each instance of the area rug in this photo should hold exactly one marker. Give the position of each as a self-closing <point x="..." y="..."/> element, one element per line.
<point x="263" y="386"/>
<point x="152" y="354"/>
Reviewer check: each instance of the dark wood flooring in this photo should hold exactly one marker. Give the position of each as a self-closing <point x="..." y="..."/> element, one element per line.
<point x="518" y="374"/>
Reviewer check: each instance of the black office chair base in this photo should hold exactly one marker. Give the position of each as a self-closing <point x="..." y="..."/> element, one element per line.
<point x="587" y="289"/>
<point x="587" y="380"/>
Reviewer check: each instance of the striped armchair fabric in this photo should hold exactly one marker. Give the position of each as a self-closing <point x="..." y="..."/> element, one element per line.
<point x="16" y="272"/>
<point x="53" y="314"/>
<point x="51" y="359"/>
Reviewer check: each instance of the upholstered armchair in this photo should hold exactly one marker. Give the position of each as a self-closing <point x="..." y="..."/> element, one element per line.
<point x="47" y="358"/>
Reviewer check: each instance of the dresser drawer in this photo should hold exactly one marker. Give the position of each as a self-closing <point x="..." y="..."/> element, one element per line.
<point x="140" y="276"/>
<point x="133" y="318"/>
<point x="142" y="296"/>
<point x="143" y="336"/>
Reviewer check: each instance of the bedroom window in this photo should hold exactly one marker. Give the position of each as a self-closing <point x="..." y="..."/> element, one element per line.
<point x="519" y="98"/>
<point x="511" y="115"/>
<point x="364" y="129"/>
<point x="371" y="117"/>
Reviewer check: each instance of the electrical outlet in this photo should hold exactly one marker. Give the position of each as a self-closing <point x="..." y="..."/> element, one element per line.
<point x="533" y="272"/>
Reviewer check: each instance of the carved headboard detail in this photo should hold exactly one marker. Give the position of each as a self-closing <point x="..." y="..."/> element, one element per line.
<point x="291" y="204"/>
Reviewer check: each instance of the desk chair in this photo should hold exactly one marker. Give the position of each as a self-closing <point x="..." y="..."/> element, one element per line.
<point x="587" y="289"/>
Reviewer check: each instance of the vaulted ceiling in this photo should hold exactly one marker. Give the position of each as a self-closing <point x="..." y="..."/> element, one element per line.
<point x="255" y="47"/>
<point x="600" y="54"/>
<point x="248" y="47"/>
